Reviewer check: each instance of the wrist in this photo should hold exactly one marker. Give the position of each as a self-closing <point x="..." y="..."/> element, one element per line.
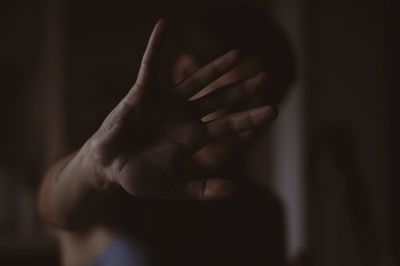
<point x="94" y="170"/>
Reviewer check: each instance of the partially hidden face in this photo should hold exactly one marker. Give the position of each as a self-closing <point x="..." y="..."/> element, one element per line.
<point x="211" y="157"/>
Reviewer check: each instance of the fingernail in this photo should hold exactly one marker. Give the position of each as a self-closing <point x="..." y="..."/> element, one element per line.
<point x="254" y="82"/>
<point x="229" y="59"/>
<point x="263" y="114"/>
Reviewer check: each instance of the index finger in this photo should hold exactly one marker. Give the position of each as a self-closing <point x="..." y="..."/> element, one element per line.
<point x="207" y="74"/>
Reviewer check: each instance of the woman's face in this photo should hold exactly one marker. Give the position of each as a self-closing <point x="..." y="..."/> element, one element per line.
<point x="212" y="156"/>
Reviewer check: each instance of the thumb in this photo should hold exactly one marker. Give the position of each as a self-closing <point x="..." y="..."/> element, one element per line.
<point x="151" y="56"/>
<point x="149" y="65"/>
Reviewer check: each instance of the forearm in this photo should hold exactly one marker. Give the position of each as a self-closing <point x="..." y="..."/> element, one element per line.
<point x="71" y="192"/>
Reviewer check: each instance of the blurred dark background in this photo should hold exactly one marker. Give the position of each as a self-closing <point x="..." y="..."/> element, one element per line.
<point x="336" y="146"/>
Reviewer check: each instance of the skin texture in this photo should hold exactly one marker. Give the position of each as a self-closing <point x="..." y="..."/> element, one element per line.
<point x="145" y="143"/>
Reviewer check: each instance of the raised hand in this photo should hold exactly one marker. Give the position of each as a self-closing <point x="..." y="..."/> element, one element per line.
<point x="145" y="142"/>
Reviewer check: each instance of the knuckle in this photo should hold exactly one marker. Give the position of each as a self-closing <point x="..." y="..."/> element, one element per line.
<point x="216" y="68"/>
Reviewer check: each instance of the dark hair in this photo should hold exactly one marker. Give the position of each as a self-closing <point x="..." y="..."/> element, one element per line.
<point x="244" y="27"/>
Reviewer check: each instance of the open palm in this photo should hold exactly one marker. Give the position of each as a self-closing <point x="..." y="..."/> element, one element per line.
<point x="145" y="142"/>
